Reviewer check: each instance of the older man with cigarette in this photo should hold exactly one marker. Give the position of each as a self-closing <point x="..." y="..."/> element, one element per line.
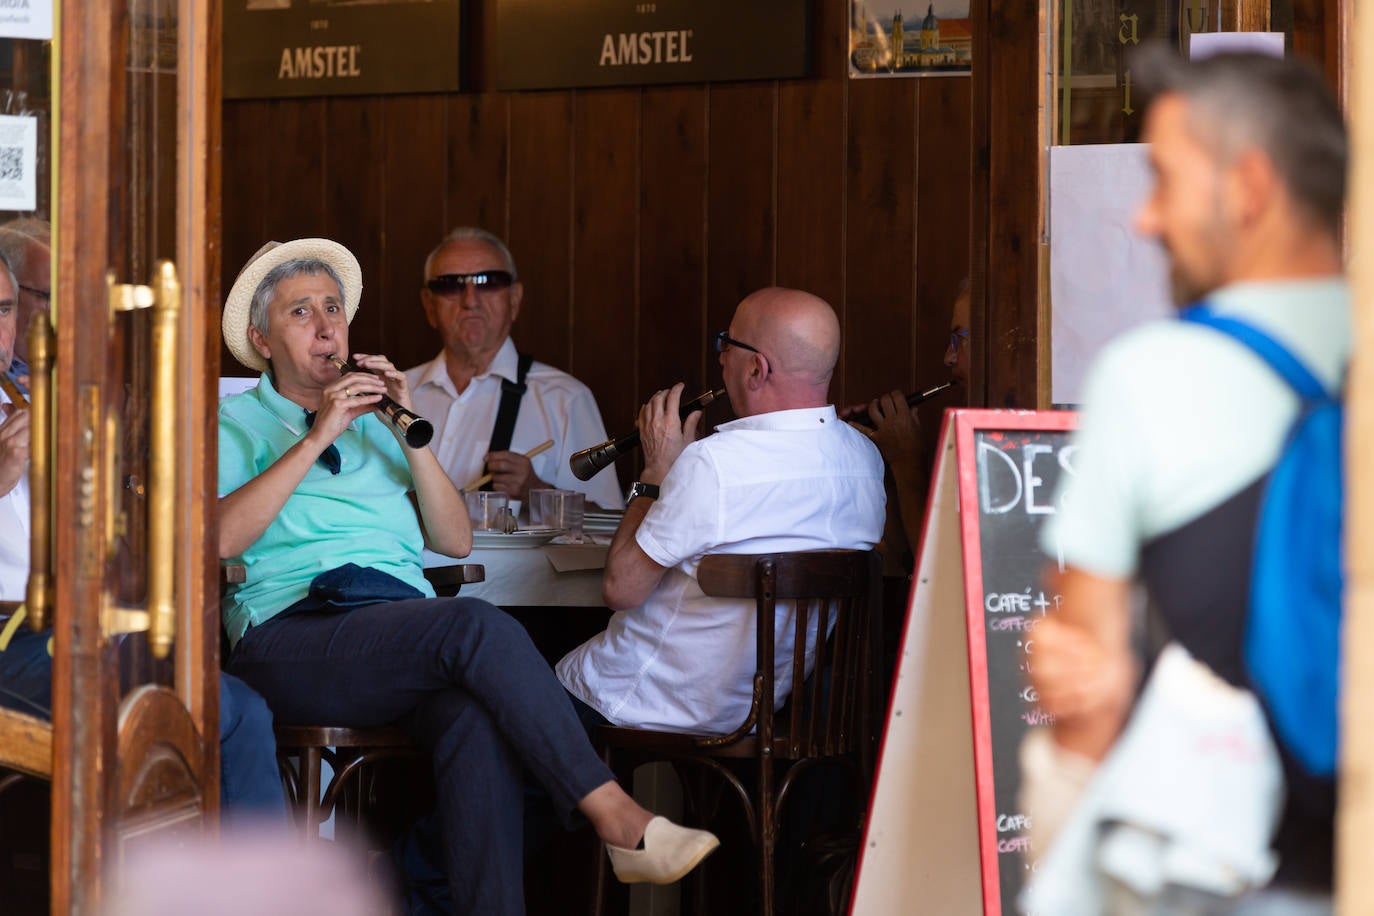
<point x="497" y="411"/>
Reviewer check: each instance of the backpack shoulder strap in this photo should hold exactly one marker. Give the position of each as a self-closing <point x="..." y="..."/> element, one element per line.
<point x="1276" y="355"/>
<point x="509" y="409"/>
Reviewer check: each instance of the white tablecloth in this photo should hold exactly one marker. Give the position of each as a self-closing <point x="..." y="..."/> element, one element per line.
<point x="530" y="577"/>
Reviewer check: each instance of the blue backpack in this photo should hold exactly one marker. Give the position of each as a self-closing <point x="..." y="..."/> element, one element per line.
<point x="1292" y="637"/>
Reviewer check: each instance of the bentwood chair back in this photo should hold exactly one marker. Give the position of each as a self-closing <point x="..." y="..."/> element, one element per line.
<point x="830" y="716"/>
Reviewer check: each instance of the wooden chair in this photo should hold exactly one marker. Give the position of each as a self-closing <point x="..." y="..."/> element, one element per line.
<point x="830" y="716"/>
<point x="352" y="753"/>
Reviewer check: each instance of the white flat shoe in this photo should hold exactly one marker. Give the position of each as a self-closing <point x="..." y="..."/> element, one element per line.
<point x="669" y="853"/>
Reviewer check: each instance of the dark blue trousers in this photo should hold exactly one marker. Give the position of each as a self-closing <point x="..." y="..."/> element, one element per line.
<point x="464" y="677"/>
<point x="250" y="785"/>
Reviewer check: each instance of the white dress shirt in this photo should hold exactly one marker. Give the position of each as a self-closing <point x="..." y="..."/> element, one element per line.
<point x="555" y="406"/>
<point x="14" y="541"/>
<point x="782" y="481"/>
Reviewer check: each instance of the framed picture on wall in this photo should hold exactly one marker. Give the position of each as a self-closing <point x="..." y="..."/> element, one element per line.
<point x="912" y="38"/>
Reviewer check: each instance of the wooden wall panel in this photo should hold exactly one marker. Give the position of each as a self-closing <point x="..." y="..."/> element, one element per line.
<point x="740" y="215"/>
<point x="880" y="240"/>
<point x="638" y="217"/>
<point x="671" y="333"/>
<point x="354" y="208"/>
<point x="412" y="175"/>
<point x="478" y="131"/>
<point x="540" y="221"/>
<point x="605" y="226"/>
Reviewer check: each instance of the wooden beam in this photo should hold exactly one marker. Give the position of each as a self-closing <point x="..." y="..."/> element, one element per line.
<point x="25" y="744"/>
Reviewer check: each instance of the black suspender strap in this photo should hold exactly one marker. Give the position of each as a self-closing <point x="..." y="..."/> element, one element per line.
<point x="511" y="393"/>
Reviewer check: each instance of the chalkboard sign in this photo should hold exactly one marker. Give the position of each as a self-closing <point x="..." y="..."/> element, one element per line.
<point x="944" y="826"/>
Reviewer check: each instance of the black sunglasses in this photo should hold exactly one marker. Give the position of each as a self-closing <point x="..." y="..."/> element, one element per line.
<point x="485" y="281"/>
<point x="724" y="342"/>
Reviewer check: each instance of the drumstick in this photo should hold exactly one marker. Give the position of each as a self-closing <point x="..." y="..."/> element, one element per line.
<point x="11" y="389"/>
<point x="539" y="449"/>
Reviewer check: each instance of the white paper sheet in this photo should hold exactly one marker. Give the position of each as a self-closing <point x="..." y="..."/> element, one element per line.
<point x="26" y="19"/>
<point x="1104" y="277"/>
<point x="18" y="160"/>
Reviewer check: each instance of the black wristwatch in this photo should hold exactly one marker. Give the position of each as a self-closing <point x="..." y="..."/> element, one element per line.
<point x="640" y="488"/>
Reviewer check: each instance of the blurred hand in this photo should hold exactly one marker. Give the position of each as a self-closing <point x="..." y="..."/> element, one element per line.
<point x="1075" y="676"/>
<point x="896" y="429"/>
<point x="14" y="447"/>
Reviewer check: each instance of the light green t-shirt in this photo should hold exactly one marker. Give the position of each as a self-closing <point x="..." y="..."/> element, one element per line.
<point x="361" y="515"/>
<point x="1178" y="417"/>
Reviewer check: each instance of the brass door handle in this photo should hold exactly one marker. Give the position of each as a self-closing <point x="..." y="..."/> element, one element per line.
<point x="163" y="471"/>
<point x="38" y="594"/>
<point x="158" y="617"/>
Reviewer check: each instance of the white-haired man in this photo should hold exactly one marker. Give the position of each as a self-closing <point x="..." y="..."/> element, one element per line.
<point x="490" y="404"/>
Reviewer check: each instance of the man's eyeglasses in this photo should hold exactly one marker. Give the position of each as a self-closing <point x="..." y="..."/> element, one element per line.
<point x="956" y="339"/>
<point x="40" y="293"/>
<point x="486" y="281"/>
<point x="724" y="342"/>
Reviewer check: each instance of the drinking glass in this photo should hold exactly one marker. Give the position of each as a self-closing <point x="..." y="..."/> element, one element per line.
<point x="483" y="506"/>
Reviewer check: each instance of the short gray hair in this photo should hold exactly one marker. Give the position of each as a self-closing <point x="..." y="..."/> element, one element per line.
<point x="9" y="272"/>
<point x="472" y="234"/>
<point x="1281" y="106"/>
<point x="262" y="296"/>
<point x="18" y="234"/>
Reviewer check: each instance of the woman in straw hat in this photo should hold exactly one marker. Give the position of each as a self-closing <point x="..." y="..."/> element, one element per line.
<point x="328" y="511"/>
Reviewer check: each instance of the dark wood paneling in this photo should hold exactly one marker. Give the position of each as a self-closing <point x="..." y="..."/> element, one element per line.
<point x="354" y="207"/>
<point x="604" y="288"/>
<point x="294" y="135"/>
<point x="478" y="129"/>
<point x="671" y="330"/>
<point x="412" y="175"/>
<point x="811" y="186"/>
<point x="880" y="240"/>
<point x="540" y="220"/>
<point x="740" y="216"/>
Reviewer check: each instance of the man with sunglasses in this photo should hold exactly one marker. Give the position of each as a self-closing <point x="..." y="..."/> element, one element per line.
<point x="787" y="475"/>
<point x="489" y="404"/>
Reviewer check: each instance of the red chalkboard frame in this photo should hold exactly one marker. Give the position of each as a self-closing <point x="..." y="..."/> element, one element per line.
<point x="966" y="424"/>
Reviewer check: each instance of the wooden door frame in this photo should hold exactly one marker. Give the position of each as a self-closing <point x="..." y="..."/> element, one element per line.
<point x="91" y="83"/>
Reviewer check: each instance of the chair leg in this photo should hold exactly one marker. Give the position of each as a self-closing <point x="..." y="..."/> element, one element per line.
<point x="310" y="773"/>
<point x="768" y="833"/>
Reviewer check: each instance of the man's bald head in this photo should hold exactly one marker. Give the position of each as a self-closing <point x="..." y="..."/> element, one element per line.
<point x="798" y="335"/>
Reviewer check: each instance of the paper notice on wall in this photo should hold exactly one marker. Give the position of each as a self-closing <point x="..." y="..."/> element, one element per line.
<point x="26" y="19"/>
<point x="18" y="161"/>
<point x="1104" y="277"/>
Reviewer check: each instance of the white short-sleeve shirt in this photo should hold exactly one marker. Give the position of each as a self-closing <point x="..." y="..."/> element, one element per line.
<point x="555" y="406"/>
<point x="782" y="481"/>
<point x="1177" y="418"/>
<point x="14" y="543"/>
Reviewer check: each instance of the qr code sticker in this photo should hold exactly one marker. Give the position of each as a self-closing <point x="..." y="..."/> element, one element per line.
<point x="11" y="163"/>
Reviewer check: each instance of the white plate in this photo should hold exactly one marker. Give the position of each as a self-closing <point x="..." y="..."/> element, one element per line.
<point x="528" y="537"/>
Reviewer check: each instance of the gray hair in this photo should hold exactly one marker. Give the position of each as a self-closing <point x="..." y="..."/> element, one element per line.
<point x="18" y="234"/>
<point x="9" y="272"/>
<point x="472" y="234"/>
<point x="1281" y="106"/>
<point x="262" y="296"/>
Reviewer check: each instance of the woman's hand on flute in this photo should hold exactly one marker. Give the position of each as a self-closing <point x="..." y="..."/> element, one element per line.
<point x="896" y="429"/>
<point x="397" y="386"/>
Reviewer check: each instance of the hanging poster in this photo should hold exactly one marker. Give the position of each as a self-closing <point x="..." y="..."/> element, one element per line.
<point x="18" y="162"/>
<point x="912" y="38"/>
<point x="279" y="48"/>
<point x="26" y="19"/>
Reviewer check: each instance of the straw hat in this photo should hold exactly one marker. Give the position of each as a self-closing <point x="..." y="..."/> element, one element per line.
<point x="273" y="254"/>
